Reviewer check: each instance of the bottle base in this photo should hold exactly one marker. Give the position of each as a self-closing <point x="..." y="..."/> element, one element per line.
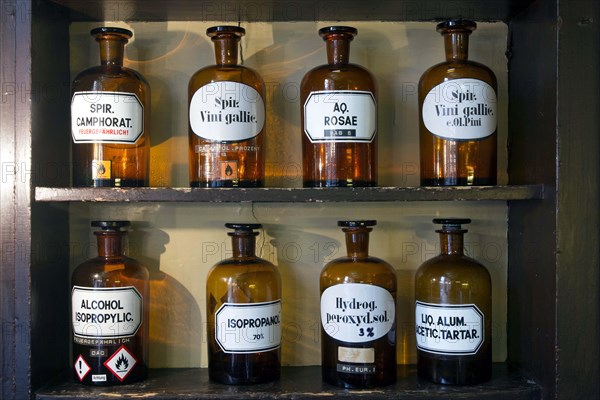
<point x="227" y="184"/>
<point x="338" y="183"/>
<point x="244" y="369"/>
<point x="117" y="182"/>
<point x="459" y="371"/>
<point x="458" y="182"/>
<point x="229" y="379"/>
<point x="357" y="381"/>
<point x="111" y="380"/>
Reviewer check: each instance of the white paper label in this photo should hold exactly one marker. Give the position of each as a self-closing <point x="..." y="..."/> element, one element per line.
<point x="356" y="312"/>
<point x="449" y="329"/>
<point x="340" y="116"/>
<point x="461" y="109"/>
<point x="227" y="112"/>
<point x="248" y="327"/>
<point x="106" y="312"/>
<point x="106" y="117"/>
<point x="356" y="355"/>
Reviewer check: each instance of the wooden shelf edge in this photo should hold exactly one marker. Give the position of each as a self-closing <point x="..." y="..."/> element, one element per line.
<point x="289" y="195"/>
<point x="286" y="10"/>
<point x="296" y="383"/>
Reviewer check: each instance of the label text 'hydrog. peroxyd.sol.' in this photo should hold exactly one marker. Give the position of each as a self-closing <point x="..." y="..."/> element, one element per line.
<point x="357" y="313"/>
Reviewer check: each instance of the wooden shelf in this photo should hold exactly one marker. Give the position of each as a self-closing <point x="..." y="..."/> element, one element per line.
<point x="289" y="195"/>
<point x="291" y="10"/>
<point x="297" y="383"/>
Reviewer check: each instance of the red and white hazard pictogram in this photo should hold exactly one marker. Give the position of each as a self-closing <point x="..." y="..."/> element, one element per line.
<point x="121" y="363"/>
<point x="81" y="367"/>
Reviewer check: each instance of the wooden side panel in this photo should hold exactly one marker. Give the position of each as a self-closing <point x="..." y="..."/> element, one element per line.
<point x="7" y="210"/>
<point x="578" y="201"/>
<point x="50" y="141"/>
<point x="532" y="225"/>
<point x="15" y="212"/>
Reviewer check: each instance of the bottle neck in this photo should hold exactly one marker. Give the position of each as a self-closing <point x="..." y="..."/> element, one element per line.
<point x="357" y="242"/>
<point x="338" y="49"/>
<point x="456" y="45"/>
<point x="244" y="245"/>
<point x="110" y="244"/>
<point x="226" y="49"/>
<point x="451" y="243"/>
<point x="112" y="50"/>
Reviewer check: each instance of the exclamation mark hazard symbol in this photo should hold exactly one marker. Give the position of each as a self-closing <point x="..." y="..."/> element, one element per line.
<point x="81" y="368"/>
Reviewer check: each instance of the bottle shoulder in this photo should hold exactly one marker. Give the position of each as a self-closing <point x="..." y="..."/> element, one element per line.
<point x="326" y="68"/>
<point x="111" y="271"/>
<point x="449" y="70"/>
<point x="341" y="77"/>
<point x="238" y="266"/>
<point x="358" y="262"/>
<point x="445" y="265"/>
<point x="230" y="73"/>
<point x="236" y="281"/>
<point x="100" y="74"/>
<point x="369" y="270"/>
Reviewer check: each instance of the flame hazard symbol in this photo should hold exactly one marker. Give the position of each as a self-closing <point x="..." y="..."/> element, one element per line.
<point x="121" y="363"/>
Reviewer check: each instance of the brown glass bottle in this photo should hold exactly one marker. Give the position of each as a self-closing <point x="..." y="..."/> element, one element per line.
<point x="110" y="313"/>
<point x="358" y="315"/>
<point x="453" y="313"/>
<point x="457" y="115"/>
<point x="244" y="314"/>
<point x="226" y="118"/>
<point x="110" y="118"/>
<point x="339" y="118"/>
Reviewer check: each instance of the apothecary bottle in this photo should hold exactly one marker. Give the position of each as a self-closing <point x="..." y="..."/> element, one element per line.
<point x="453" y="312"/>
<point x="458" y="115"/>
<point x="244" y="314"/>
<point x="226" y="118"/>
<point x="110" y="118"/>
<point x="110" y="313"/>
<point x="358" y="315"/>
<point x="339" y="117"/>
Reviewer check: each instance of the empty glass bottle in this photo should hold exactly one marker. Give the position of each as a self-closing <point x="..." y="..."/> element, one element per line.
<point x="227" y="118"/>
<point x="110" y="313"/>
<point x="358" y="315"/>
<point x="453" y="312"/>
<point x="110" y="118"/>
<point x="339" y="117"/>
<point x="457" y="115"/>
<point x="244" y="314"/>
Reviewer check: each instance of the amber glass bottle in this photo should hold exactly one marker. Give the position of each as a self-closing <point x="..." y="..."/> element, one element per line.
<point x="110" y="118"/>
<point x="457" y="115"/>
<point x="110" y="312"/>
<point x="226" y="118"/>
<point x="339" y="118"/>
<point x="358" y="315"/>
<point x="453" y="312"/>
<point x="244" y="314"/>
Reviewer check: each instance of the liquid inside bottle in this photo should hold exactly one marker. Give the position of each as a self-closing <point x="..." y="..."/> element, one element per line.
<point x="244" y="314"/>
<point x="226" y="118"/>
<point x="458" y="115"/>
<point x="110" y="118"/>
<point x="453" y="313"/>
<point x="358" y="315"/>
<point x="339" y="118"/>
<point x="110" y="313"/>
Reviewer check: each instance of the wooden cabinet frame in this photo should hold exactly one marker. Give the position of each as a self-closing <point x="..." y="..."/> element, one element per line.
<point x="554" y="139"/>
